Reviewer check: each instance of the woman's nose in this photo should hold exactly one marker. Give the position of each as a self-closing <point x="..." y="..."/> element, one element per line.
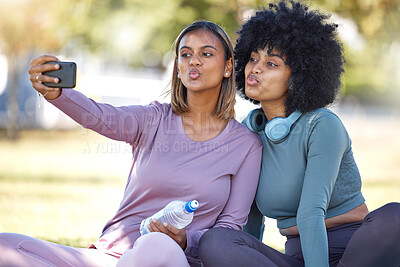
<point x="256" y="69"/>
<point x="195" y="61"/>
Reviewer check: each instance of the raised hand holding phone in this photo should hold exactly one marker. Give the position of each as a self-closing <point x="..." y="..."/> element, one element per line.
<point x="46" y="64"/>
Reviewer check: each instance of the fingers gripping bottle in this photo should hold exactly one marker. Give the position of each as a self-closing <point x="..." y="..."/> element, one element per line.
<point x="177" y="213"/>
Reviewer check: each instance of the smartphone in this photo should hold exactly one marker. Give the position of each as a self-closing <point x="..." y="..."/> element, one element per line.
<point x="66" y="75"/>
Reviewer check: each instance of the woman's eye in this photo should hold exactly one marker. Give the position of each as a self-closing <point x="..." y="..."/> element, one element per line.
<point x="184" y="55"/>
<point x="272" y="64"/>
<point x="207" y="54"/>
<point x="252" y="59"/>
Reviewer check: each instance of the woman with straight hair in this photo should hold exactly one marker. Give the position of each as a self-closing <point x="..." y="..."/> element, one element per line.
<point x="192" y="148"/>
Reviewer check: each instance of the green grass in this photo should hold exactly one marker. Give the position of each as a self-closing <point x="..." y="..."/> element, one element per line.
<point x="52" y="187"/>
<point x="63" y="186"/>
<point x="57" y="209"/>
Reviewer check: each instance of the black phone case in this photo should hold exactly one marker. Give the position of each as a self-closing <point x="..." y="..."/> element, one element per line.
<point x="66" y="73"/>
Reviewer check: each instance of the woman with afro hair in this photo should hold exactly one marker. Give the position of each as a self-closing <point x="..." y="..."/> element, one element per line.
<point x="289" y="60"/>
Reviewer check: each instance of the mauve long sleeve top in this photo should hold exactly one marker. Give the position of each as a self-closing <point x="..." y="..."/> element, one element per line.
<point x="221" y="173"/>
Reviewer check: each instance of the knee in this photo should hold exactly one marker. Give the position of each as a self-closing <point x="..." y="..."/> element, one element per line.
<point x="157" y="244"/>
<point x="212" y="242"/>
<point x="388" y="214"/>
<point x="392" y="208"/>
<point x="392" y="214"/>
<point x="9" y="253"/>
<point x="386" y="219"/>
<point x="6" y="240"/>
<point x="154" y="249"/>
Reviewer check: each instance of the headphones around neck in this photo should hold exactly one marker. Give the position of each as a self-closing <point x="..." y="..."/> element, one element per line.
<point x="276" y="129"/>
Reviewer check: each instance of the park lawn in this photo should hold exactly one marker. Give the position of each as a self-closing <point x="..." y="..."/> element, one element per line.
<point x="56" y="209"/>
<point x="61" y="186"/>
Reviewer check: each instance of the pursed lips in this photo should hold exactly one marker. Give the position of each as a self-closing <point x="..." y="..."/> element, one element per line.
<point x="194" y="74"/>
<point x="252" y="80"/>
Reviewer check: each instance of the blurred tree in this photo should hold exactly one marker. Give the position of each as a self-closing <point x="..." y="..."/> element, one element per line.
<point x="373" y="71"/>
<point x="138" y="33"/>
<point x="15" y="43"/>
<point x="25" y="26"/>
<point x="370" y="69"/>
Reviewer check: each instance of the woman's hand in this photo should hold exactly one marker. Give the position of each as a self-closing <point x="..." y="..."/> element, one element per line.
<point x="179" y="235"/>
<point x="38" y="66"/>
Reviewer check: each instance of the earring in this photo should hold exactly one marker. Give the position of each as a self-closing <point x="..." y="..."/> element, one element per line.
<point x="179" y="75"/>
<point x="226" y="74"/>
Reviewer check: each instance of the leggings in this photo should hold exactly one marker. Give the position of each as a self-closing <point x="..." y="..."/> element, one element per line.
<point x="372" y="242"/>
<point x="154" y="249"/>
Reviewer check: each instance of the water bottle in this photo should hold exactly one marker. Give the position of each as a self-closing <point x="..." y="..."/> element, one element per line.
<point x="177" y="213"/>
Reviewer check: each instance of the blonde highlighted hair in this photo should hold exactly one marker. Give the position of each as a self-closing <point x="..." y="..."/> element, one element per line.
<point x="226" y="100"/>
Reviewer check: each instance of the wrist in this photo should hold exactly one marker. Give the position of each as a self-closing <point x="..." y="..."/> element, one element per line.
<point x="51" y="95"/>
<point x="183" y="243"/>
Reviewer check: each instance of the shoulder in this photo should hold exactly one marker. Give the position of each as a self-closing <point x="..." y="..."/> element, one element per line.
<point x="164" y="108"/>
<point x="324" y="124"/>
<point x="242" y="129"/>
<point x="322" y="117"/>
<point x="239" y="130"/>
<point x="157" y="111"/>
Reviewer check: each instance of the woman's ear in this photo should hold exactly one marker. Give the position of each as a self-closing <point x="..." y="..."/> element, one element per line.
<point x="178" y="72"/>
<point x="228" y="68"/>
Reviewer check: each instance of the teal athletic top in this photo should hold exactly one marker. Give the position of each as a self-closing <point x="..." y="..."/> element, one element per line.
<point x="308" y="177"/>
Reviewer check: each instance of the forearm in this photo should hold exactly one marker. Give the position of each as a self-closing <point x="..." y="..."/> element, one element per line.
<point x="101" y="118"/>
<point x="314" y="241"/>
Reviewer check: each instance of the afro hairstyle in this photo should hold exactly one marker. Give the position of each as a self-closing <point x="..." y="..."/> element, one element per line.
<point x="312" y="48"/>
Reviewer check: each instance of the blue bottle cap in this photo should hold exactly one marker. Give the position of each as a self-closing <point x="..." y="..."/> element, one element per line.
<point x="191" y="206"/>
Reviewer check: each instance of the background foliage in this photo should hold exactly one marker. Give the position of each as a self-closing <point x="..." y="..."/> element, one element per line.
<point x="136" y="33"/>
